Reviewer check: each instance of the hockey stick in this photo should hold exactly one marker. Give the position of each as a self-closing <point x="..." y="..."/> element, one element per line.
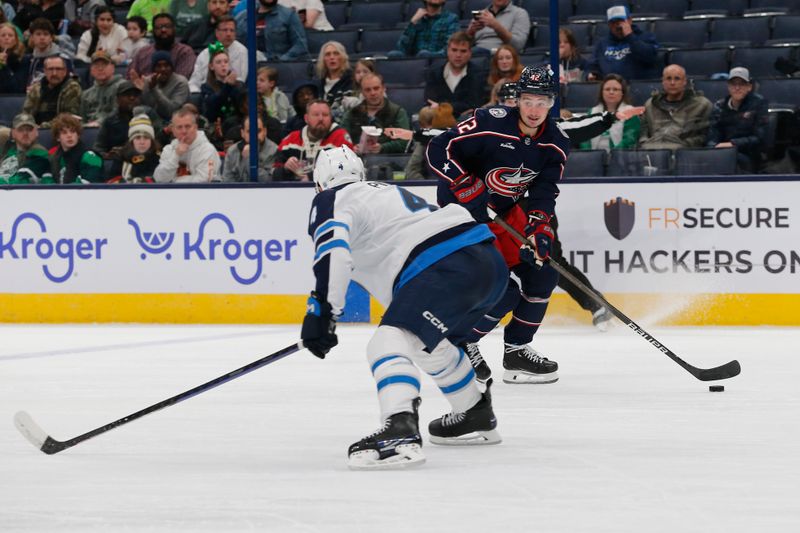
<point x="728" y="370"/>
<point x="37" y="436"/>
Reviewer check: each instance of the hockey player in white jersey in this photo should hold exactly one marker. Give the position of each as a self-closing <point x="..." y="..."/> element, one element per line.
<point x="419" y="262"/>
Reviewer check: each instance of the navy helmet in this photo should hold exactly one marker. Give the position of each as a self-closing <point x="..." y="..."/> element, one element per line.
<point x="507" y="91"/>
<point x="538" y="80"/>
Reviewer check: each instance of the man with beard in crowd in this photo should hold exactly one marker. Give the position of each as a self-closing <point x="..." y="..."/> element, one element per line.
<point x="183" y="57"/>
<point x="56" y="93"/>
<point x="163" y="90"/>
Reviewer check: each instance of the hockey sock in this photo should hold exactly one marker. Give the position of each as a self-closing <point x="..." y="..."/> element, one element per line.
<point x="389" y="354"/>
<point x="451" y="370"/>
<point x="525" y="320"/>
<point x="492" y="318"/>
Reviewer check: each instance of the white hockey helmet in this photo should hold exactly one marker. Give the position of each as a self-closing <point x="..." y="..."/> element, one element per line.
<point x="337" y="166"/>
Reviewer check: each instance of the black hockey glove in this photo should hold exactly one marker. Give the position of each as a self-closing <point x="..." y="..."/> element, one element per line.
<point x="471" y="193"/>
<point x="540" y="234"/>
<point x="319" y="327"/>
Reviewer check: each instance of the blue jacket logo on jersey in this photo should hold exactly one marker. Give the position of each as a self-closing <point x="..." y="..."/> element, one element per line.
<point x="620" y="214"/>
<point x="512" y="182"/>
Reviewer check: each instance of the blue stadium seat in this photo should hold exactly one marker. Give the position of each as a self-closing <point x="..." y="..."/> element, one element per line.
<point x="46" y="138"/>
<point x="639" y="163"/>
<point x="403" y="71"/>
<point x="780" y="92"/>
<point x="641" y="90"/>
<point x="593" y="7"/>
<point x="336" y="13"/>
<point x="712" y="89"/>
<point x="702" y="62"/>
<point x="541" y="8"/>
<point x="760" y="61"/>
<point x="379" y="41"/>
<point x="733" y="7"/>
<point x="793" y="5"/>
<point x="686" y="33"/>
<point x="348" y="38"/>
<point x="753" y="29"/>
<point x="10" y="106"/>
<point x="787" y="27"/>
<point x="412" y="99"/>
<point x="705" y="161"/>
<point x="585" y="164"/>
<point x="673" y="8"/>
<point x="89" y="136"/>
<point x="375" y="14"/>
<point x="581" y="96"/>
<point x="539" y="37"/>
<point x="584" y="34"/>
<point x="290" y="73"/>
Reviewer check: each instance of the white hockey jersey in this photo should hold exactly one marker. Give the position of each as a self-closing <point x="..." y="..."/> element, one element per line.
<point x="380" y="236"/>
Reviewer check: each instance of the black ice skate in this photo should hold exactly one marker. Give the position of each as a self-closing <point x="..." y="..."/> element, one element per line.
<point x="601" y="317"/>
<point x="482" y="370"/>
<point x="397" y="444"/>
<point x="475" y="426"/>
<point x="523" y="364"/>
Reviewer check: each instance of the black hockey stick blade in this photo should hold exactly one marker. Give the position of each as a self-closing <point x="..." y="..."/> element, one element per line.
<point x="728" y="370"/>
<point x="47" y="444"/>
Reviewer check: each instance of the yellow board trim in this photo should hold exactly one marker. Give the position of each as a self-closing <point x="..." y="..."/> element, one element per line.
<point x="660" y="309"/>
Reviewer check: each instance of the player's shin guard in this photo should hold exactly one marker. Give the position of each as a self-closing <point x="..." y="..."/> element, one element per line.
<point x="390" y="353"/>
<point x="526" y="319"/>
<point x="450" y="368"/>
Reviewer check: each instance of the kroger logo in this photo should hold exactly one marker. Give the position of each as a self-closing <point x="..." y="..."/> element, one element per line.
<point x="201" y="248"/>
<point x="29" y="240"/>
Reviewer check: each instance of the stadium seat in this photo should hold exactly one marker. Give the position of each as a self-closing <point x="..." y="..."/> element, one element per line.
<point x="290" y="73"/>
<point x="733" y="7"/>
<point x="89" y="136"/>
<point x="539" y="37"/>
<point x="348" y="38"/>
<point x="642" y="90"/>
<point x="412" y="99"/>
<point x="760" y="61"/>
<point x="592" y="7"/>
<point x="372" y="14"/>
<point x="712" y="89"/>
<point x="584" y="33"/>
<point x="379" y="41"/>
<point x="701" y="62"/>
<point x="541" y="9"/>
<point x="46" y="138"/>
<point x="336" y="13"/>
<point x="673" y="8"/>
<point x="585" y="164"/>
<point x="686" y="33"/>
<point x="780" y="92"/>
<point x="10" y="106"/>
<point x="382" y="167"/>
<point x="403" y="71"/>
<point x="581" y="96"/>
<point x="640" y="163"/>
<point x="753" y="29"/>
<point x="793" y="5"/>
<point x="705" y="161"/>
<point x="787" y="27"/>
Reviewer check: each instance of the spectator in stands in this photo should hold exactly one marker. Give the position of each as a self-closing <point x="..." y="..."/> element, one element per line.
<point x="500" y="23"/>
<point x="186" y="13"/>
<point x="225" y="32"/>
<point x="183" y="57"/>
<point x="141" y="154"/>
<point x="22" y="159"/>
<point x="298" y="150"/>
<point x="506" y="64"/>
<point x="42" y="44"/>
<point x="427" y="32"/>
<point x="136" y="40"/>
<point x="379" y="112"/>
<point x="190" y="157"/>
<point x="677" y="117"/>
<point x="237" y="158"/>
<point x="70" y="160"/>
<point x="302" y="95"/>
<point x="275" y="101"/>
<point x="221" y="95"/>
<point x="457" y="82"/>
<point x="311" y="13"/>
<point x="163" y="90"/>
<point x="27" y="12"/>
<point x="56" y="93"/>
<point x="498" y="91"/>
<point x="100" y="100"/>
<point x="334" y="76"/>
<point x="626" y="50"/>
<point x="740" y="121"/>
<point x="613" y="96"/>
<point x="200" y="33"/>
<point x="150" y="9"/>
<point x="13" y="75"/>
<point x="432" y="122"/>
<point x="53" y="10"/>
<point x="84" y="16"/>
<point x="572" y="65"/>
<point x="105" y="35"/>
<point x="283" y="36"/>
<point x="362" y="67"/>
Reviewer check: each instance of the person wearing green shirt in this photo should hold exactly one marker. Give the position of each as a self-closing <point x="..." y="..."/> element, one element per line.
<point x="70" y="161"/>
<point x="23" y="161"/>
<point x="148" y="9"/>
<point x="614" y="96"/>
<point x="186" y="13"/>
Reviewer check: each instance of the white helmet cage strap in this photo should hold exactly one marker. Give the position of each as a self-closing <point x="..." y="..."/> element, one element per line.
<point x="337" y="166"/>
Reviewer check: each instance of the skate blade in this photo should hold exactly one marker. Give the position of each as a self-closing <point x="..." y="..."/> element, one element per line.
<point x="518" y="377"/>
<point x="476" y="438"/>
<point x="408" y="455"/>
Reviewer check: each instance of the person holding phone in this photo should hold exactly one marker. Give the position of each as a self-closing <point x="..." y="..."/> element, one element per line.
<point x="500" y="23"/>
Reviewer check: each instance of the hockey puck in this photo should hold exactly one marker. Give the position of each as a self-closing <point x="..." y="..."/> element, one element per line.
<point x="716" y="388"/>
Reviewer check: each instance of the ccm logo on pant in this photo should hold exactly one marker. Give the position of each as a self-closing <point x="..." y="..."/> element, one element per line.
<point x="435" y="321"/>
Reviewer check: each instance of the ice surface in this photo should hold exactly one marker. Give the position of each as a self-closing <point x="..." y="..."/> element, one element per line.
<point x="625" y="441"/>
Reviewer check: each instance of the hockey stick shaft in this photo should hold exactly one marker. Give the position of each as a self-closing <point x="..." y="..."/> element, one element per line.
<point x="725" y="371"/>
<point x="50" y="446"/>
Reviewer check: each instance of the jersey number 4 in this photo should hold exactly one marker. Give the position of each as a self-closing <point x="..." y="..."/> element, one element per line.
<point x="413" y="202"/>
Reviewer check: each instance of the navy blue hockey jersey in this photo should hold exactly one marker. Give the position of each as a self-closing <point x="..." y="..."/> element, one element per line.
<point x="489" y="145"/>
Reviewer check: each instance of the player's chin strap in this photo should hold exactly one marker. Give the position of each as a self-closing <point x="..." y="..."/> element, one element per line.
<point x="725" y="371"/>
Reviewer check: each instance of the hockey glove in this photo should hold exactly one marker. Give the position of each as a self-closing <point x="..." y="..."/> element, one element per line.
<point x="319" y="327"/>
<point x="471" y="193"/>
<point x="540" y="235"/>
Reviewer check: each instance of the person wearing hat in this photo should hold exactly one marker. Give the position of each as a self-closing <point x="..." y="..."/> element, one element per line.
<point x="627" y="50"/>
<point x="100" y="100"/>
<point x="740" y="121"/>
<point x="164" y="90"/>
<point x="141" y="154"/>
<point x="22" y="159"/>
<point x="56" y="93"/>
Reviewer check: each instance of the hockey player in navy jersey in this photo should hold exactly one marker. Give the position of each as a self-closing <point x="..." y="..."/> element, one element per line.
<point x="418" y="261"/>
<point x="511" y="159"/>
